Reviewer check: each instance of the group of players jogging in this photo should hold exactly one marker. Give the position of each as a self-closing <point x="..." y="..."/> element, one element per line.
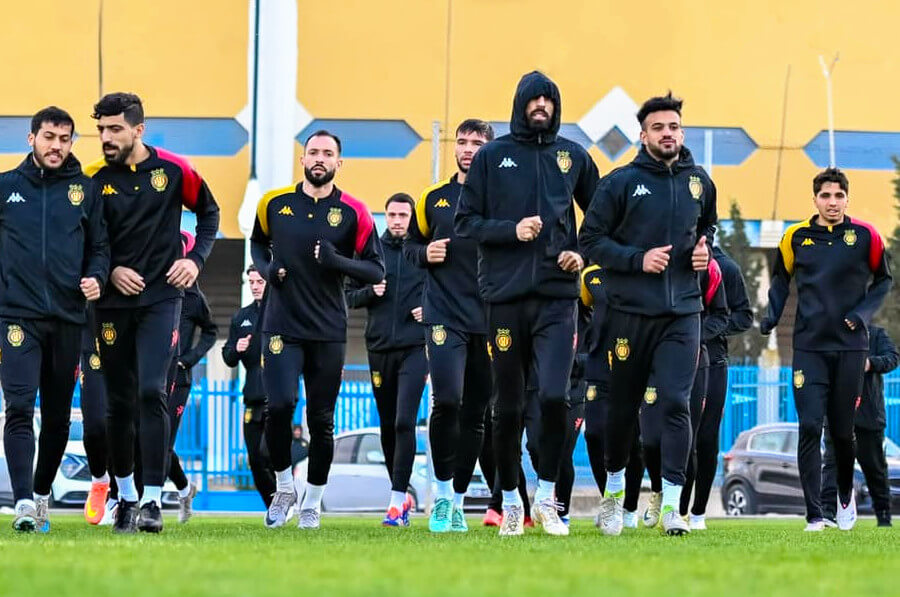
<point x="485" y="284"/>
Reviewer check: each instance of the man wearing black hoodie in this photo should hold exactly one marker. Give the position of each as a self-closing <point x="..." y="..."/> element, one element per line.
<point x="517" y="204"/>
<point x="648" y="228"/>
<point x="54" y="254"/>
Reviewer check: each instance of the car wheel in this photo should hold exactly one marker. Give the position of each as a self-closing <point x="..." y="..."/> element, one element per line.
<point x="739" y="500"/>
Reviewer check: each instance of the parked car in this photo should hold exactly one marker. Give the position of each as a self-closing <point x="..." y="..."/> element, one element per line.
<point x="359" y="481"/>
<point x="72" y="483"/>
<point x="761" y="473"/>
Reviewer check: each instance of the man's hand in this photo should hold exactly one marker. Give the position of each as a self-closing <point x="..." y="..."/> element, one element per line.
<point x="700" y="256"/>
<point x="868" y="365"/>
<point x="570" y="261"/>
<point x="436" y="251"/>
<point x="90" y="288"/>
<point x="126" y="280"/>
<point x="243" y="343"/>
<point x="417" y="315"/>
<point x="528" y="228"/>
<point x="183" y="273"/>
<point x="380" y="288"/>
<point x="656" y="260"/>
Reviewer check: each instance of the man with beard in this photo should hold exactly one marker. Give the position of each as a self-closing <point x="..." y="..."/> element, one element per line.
<point x="648" y="228"/>
<point x="54" y="254"/>
<point x="396" y="347"/>
<point x="517" y="205"/>
<point x="456" y="333"/>
<point x="306" y="239"/>
<point x="143" y="189"/>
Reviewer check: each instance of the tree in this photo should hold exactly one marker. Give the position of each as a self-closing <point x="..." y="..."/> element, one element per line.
<point x="889" y="315"/>
<point x="749" y="345"/>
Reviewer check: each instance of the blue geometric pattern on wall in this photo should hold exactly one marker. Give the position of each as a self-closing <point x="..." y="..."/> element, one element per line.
<point x="857" y="150"/>
<point x="367" y="138"/>
<point x="731" y="145"/>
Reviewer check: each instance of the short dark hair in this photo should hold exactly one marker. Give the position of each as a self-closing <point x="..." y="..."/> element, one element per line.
<point x="659" y="104"/>
<point x="251" y="268"/>
<point x="479" y="127"/>
<point x="53" y="115"/>
<point x="324" y="133"/>
<point x="400" y="198"/>
<point x="127" y="104"/>
<point x="831" y="175"/>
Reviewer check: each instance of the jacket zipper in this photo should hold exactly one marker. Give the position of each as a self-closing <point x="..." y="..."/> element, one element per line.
<point x="537" y="209"/>
<point x="44" y="238"/>
<point x="396" y="297"/>
<point x="674" y="204"/>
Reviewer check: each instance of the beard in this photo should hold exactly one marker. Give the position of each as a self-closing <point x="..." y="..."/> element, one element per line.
<point x="661" y="153"/>
<point x="462" y="168"/>
<point x="122" y="153"/>
<point x="318" y="179"/>
<point x="539" y="125"/>
<point x="44" y="165"/>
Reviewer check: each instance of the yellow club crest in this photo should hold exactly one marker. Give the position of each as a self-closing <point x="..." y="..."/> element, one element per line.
<point x="503" y="340"/>
<point x="248" y="415"/>
<point x="108" y="333"/>
<point x="15" y="335"/>
<point x="650" y="395"/>
<point x="76" y="194"/>
<point x="276" y="344"/>
<point x="799" y="378"/>
<point x="94" y="362"/>
<point x="335" y="217"/>
<point x="850" y="237"/>
<point x="591" y="393"/>
<point x="622" y="349"/>
<point x="159" y="180"/>
<point x="376" y="379"/>
<point x="438" y="335"/>
<point x="564" y="161"/>
<point x="695" y="187"/>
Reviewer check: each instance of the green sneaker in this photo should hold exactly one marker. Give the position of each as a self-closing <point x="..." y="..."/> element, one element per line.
<point x="458" y="521"/>
<point x="440" y="516"/>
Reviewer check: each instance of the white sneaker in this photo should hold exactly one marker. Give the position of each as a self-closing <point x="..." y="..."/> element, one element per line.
<point x="816" y="526"/>
<point x="697" y="522"/>
<point x="846" y="517"/>
<point x="308" y="519"/>
<point x="546" y="515"/>
<point x="830" y="524"/>
<point x="42" y="518"/>
<point x="651" y="514"/>
<point x="277" y="513"/>
<point x="673" y="524"/>
<point x="110" y="515"/>
<point x="611" y="515"/>
<point x="513" y="522"/>
<point x="630" y="519"/>
<point x="186" y="504"/>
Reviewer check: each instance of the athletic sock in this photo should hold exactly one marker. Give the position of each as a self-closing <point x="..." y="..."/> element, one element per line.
<point x="671" y="497"/>
<point x="284" y="481"/>
<point x="152" y="493"/>
<point x="103" y="479"/>
<point x="185" y="491"/>
<point x="38" y="496"/>
<point x="110" y="503"/>
<point x="544" y="490"/>
<point x="443" y="490"/>
<point x="458" y="500"/>
<point x="127" y="489"/>
<point x="511" y="498"/>
<point x="397" y="500"/>
<point x="313" y="498"/>
<point x="615" y="483"/>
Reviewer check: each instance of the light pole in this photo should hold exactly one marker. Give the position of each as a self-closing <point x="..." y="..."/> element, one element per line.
<point x="827" y="71"/>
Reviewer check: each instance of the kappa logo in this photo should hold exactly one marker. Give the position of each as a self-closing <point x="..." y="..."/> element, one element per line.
<point x="15" y="198"/>
<point x="508" y="163"/>
<point x="442" y="203"/>
<point x="246" y="323"/>
<point x="108" y="189"/>
<point x="286" y="211"/>
<point x="640" y="191"/>
<point x="595" y="280"/>
<point x="807" y="242"/>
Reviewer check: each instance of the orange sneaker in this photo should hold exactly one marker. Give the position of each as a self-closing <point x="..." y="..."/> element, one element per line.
<point x="95" y="506"/>
<point x="492" y="518"/>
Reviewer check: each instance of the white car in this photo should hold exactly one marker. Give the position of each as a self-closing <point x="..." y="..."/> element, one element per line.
<point x="359" y="481"/>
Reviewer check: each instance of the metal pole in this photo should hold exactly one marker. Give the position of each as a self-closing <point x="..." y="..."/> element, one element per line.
<point x="708" y="151"/>
<point x="827" y="71"/>
<point x="435" y="151"/>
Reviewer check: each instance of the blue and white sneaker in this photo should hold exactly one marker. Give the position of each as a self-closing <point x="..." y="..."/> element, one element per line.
<point x="277" y="514"/>
<point x="26" y="517"/>
<point x="395" y="518"/>
<point x="42" y="510"/>
<point x="458" y="522"/>
<point x="439" y="522"/>
<point x="564" y="520"/>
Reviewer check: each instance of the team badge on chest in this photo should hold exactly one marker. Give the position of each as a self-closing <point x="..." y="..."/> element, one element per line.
<point x="76" y="194"/>
<point x="622" y="349"/>
<point x="503" y="340"/>
<point x="650" y="395"/>
<point x="695" y="187"/>
<point x="799" y="378"/>
<point x="850" y="237"/>
<point x="334" y="217"/>
<point x="108" y="333"/>
<point x="564" y="161"/>
<point x="376" y="379"/>
<point x="438" y="335"/>
<point x="159" y="180"/>
<point x="276" y="344"/>
<point x="15" y="336"/>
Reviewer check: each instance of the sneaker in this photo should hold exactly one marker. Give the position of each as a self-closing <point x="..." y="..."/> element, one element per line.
<point x="829" y="523"/>
<point x="308" y="519"/>
<point x="565" y="520"/>
<point x="185" y="509"/>
<point x="151" y="520"/>
<point x="439" y="522"/>
<point x="546" y="515"/>
<point x="815" y="526"/>
<point x="126" y="517"/>
<point x="529" y="522"/>
<point x="277" y="514"/>
<point x="673" y="524"/>
<point x="492" y="518"/>
<point x="846" y="515"/>
<point x="394" y="518"/>
<point x="629" y="519"/>
<point x="610" y="516"/>
<point x="458" y="522"/>
<point x="42" y="510"/>
<point x="110" y="515"/>
<point x="512" y="523"/>
<point x="95" y="506"/>
<point x="651" y="514"/>
<point x="407" y="508"/>
<point x="883" y="517"/>
<point x="697" y="522"/>
<point x="26" y="517"/>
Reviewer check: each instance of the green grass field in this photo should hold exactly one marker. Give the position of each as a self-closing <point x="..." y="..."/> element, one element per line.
<point x="355" y="556"/>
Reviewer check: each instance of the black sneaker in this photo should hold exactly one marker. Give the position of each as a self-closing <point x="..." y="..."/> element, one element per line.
<point x="151" y="518"/>
<point x="884" y="518"/>
<point x="126" y="517"/>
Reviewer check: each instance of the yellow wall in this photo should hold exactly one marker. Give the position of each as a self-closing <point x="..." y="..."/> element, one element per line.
<point x="446" y="60"/>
